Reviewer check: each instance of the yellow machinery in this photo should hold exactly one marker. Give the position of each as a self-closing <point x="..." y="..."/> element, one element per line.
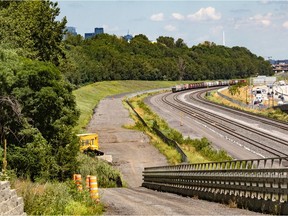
<point x="89" y="143"/>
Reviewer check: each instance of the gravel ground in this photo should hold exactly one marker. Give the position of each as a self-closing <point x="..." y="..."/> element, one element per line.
<point x="194" y="129"/>
<point x="132" y="152"/>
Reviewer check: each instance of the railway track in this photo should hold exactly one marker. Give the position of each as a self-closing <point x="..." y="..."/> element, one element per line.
<point x="229" y="127"/>
<point x="275" y="123"/>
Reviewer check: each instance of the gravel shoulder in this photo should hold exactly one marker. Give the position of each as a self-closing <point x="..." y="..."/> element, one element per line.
<point x="131" y="152"/>
<point x="194" y="129"/>
<point x="130" y="149"/>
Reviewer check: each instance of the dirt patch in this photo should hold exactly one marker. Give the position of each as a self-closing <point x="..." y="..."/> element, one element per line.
<point x="130" y="149"/>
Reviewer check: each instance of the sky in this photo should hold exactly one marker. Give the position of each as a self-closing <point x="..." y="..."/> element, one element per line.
<point x="260" y="26"/>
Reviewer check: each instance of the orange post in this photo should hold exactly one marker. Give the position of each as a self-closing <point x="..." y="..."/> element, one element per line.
<point x="94" y="194"/>
<point x="77" y="179"/>
<point x="88" y="182"/>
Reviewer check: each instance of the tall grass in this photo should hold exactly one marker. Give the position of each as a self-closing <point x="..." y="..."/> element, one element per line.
<point x="197" y="150"/>
<point x="56" y="199"/>
<point x="270" y="112"/>
<point x="63" y="198"/>
<point x="88" y="97"/>
<point x="172" y="156"/>
<point x="107" y="177"/>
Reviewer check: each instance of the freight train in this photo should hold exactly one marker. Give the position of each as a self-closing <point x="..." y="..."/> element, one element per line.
<point x="196" y="85"/>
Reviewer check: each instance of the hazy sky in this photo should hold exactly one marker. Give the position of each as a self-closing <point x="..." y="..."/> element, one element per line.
<point x="261" y="26"/>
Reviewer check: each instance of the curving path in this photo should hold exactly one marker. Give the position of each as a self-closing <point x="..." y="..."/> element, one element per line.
<point x="132" y="152"/>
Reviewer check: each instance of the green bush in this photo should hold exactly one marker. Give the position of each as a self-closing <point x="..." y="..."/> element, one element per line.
<point x="277" y="114"/>
<point x="107" y="176"/>
<point x="203" y="146"/>
<point x="56" y="199"/>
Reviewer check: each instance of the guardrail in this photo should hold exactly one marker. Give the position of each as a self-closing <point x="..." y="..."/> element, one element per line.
<point x="258" y="185"/>
<point x="184" y="157"/>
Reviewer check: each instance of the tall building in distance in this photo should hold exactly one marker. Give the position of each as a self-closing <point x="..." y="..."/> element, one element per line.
<point x="99" y="31"/>
<point x="96" y="32"/>
<point x="128" y="37"/>
<point x="70" y="30"/>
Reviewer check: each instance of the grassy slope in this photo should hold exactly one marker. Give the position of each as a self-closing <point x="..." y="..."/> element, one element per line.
<point x="89" y="96"/>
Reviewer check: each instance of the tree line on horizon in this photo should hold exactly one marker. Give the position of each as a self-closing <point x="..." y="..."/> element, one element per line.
<point x="108" y="57"/>
<point x="39" y="70"/>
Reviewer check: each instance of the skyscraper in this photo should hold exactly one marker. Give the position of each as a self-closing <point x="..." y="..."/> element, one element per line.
<point x="96" y="32"/>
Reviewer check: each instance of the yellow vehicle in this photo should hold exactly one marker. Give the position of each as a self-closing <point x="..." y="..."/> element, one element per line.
<point x="89" y="143"/>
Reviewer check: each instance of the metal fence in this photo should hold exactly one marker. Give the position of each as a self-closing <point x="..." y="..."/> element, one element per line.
<point x="171" y="142"/>
<point x="258" y="185"/>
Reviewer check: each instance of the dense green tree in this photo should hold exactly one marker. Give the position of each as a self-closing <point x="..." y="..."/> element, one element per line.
<point x="180" y="43"/>
<point x="167" y="41"/>
<point x="38" y="112"/>
<point x="32" y="26"/>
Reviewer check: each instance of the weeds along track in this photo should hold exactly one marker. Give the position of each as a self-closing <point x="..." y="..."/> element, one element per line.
<point x="263" y="119"/>
<point x="265" y="144"/>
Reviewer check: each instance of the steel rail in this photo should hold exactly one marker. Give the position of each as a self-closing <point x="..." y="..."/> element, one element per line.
<point x="270" y="137"/>
<point x="273" y="122"/>
<point x="224" y="128"/>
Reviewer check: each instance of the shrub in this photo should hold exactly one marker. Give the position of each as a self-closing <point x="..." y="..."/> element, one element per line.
<point x="56" y="199"/>
<point x="107" y="176"/>
<point x="202" y="146"/>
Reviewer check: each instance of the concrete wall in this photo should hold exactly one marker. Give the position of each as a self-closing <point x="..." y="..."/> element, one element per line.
<point x="10" y="203"/>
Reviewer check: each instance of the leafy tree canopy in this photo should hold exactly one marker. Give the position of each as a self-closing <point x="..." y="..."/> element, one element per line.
<point x="38" y="110"/>
<point x="107" y="57"/>
<point x="32" y="26"/>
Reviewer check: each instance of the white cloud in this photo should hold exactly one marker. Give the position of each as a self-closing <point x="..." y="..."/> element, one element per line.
<point x="157" y="17"/>
<point x="208" y="13"/>
<point x="178" y="16"/>
<point x="285" y="25"/>
<point x="170" y="28"/>
<point x="262" y="20"/>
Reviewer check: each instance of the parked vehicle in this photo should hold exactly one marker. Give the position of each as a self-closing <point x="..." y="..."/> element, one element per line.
<point x="89" y="144"/>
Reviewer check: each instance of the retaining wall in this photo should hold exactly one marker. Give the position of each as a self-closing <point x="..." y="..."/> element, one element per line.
<point x="10" y="203"/>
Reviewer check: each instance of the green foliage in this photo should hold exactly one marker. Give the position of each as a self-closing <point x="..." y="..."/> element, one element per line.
<point x="106" y="57"/>
<point x="38" y="112"/>
<point x="38" y="109"/>
<point x="106" y="176"/>
<point x="32" y="26"/>
<point x="87" y="97"/>
<point x="33" y="160"/>
<point x="202" y="146"/>
<point x="56" y="199"/>
<point x="277" y="114"/>
<point x="235" y="89"/>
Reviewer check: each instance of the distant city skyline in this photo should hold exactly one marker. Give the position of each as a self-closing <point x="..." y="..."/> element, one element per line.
<point x="260" y="26"/>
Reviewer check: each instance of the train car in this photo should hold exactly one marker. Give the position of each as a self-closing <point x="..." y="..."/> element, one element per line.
<point x="201" y="85"/>
<point x="242" y="81"/>
<point x="197" y="85"/>
<point x="177" y="88"/>
<point x="225" y="83"/>
<point x="231" y="82"/>
<point x="207" y="84"/>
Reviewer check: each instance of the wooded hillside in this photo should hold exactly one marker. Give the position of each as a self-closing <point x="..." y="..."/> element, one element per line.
<point x="107" y="57"/>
